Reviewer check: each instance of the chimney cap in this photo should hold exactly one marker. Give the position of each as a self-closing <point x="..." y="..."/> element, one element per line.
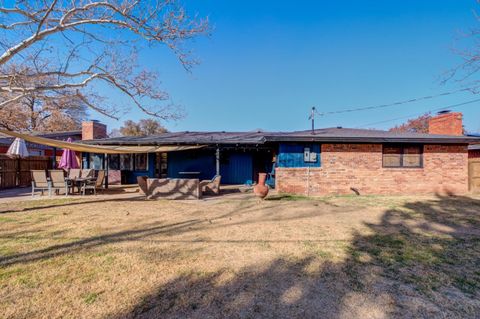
<point x="443" y="112"/>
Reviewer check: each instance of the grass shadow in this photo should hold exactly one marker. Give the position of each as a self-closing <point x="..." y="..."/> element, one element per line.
<point x="419" y="261"/>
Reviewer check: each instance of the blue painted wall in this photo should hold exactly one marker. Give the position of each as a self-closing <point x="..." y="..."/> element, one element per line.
<point x="191" y="161"/>
<point x="291" y="155"/>
<point x="150" y="172"/>
<point x="236" y="168"/>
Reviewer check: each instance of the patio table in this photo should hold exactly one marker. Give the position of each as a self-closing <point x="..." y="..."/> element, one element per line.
<point x="78" y="181"/>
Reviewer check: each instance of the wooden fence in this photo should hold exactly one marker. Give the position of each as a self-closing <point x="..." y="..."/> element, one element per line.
<point x="15" y="172"/>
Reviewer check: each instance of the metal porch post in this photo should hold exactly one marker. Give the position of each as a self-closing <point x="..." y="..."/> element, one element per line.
<point x="54" y="157"/>
<point x="217" y="161"/>
<point x="106" y="164"/>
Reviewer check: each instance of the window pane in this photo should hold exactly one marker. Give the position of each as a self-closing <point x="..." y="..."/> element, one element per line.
<point x="392" y="156"/>
<point x="114" y="162"/>
<point x="141" y="163"/>
<point x="126" y="162"/>
<point x="412" y="156"/>
<point x="391" y="160"/>
<point x="96" y="161"/>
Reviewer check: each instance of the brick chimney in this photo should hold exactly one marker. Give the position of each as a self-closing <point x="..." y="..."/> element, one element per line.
<point x="446" y="123"/>
<point x="92" y="130"/>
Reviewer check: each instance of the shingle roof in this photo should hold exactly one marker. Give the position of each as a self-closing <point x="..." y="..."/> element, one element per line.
<point x="340" y="135"/>
<point x="187" y="137"/>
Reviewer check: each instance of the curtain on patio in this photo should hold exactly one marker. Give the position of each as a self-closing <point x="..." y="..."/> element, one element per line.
<point x="102" y="149"/>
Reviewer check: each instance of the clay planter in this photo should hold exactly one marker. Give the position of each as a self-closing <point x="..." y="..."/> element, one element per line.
<point x="261" y="190"/>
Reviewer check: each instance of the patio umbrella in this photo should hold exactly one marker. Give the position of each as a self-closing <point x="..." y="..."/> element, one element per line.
<point x="68" y="160"/>
<point x="18" y="148"/>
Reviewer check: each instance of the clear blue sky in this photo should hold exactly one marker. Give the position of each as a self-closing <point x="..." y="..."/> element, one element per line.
<point x="268" y="62"/>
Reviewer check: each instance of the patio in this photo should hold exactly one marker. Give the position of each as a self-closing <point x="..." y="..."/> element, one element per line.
<point x="21" y="194"/>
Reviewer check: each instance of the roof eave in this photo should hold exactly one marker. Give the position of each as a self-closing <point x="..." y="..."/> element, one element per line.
<point x="334" y="139"/>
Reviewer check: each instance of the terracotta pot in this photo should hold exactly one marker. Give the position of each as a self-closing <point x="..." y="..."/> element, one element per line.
<point x="261" y="190"/>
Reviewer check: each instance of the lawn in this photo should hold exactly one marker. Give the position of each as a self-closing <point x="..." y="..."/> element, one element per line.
<point x="237" y="257"/>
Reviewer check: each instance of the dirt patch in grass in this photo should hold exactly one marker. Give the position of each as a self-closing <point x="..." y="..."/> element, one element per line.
<point x="331" y="257"/>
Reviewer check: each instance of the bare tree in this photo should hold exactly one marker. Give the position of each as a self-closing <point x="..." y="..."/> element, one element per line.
<point x="59" y="50"/>
<point x="416" y="125"/>
<point x="40" y="112"/>
<point x="143" y="127"/>
<point x="468" y="49"/>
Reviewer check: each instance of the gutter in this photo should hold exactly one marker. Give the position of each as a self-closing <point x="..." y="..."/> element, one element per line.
<point x="364" y="140"/>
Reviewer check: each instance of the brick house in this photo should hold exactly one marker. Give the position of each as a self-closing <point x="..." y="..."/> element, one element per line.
<point x="326" y="161"/>
<point x="381" y="162"/>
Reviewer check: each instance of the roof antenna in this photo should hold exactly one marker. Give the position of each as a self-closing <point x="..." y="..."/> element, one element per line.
<point x="312" y="118"/>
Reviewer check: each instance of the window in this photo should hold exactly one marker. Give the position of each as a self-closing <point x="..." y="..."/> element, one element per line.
<point x="114" y="161"/>
<point x="36" y="152"/>
<point x="141" y="162"/>
<point x="96" y="161"/>
<point x="126" y="162"/>
<point x="403" y="156"/>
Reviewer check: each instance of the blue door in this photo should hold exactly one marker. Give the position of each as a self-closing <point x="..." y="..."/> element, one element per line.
<point x="236" y="168"/>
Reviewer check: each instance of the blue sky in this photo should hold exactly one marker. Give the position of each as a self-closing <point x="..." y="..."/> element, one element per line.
<point x="268" y="62"/>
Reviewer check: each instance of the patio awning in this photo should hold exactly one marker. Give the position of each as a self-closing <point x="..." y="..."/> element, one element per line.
<point x="102" y="149"/>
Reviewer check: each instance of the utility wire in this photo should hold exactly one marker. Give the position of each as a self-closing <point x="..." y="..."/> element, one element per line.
<point x="396" y="103"/>
<point x="418" y="114"/>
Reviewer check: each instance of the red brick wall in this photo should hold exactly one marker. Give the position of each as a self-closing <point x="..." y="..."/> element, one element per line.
<point x="446" y="124"/>
<point x="359" y="166"/>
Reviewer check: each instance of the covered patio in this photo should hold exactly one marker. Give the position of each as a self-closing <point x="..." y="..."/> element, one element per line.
<point x="236" y="157"/>
<point x="174" y="158"/>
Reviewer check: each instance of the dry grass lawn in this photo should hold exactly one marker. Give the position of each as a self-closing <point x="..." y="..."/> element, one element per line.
<point x="235" y="257"/>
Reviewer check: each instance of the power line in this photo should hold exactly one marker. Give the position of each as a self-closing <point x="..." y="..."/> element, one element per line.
<point x="428" y="97"/>
<point x="418" y="114"/>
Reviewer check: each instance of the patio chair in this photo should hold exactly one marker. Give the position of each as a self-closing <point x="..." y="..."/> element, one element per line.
<point x="73" y="174"/>
<point x="86" y="173"/>
<point x="211" y="186"/>
<point x="39" y="181"/>
<point x="57" y="181"/>
<point x="94" y="184"/>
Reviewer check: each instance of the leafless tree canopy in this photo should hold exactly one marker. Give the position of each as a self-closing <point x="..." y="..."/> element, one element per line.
<point x="468" y="49"/>
<point x="144" y="127"/>
<point x="64" y="53"/>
